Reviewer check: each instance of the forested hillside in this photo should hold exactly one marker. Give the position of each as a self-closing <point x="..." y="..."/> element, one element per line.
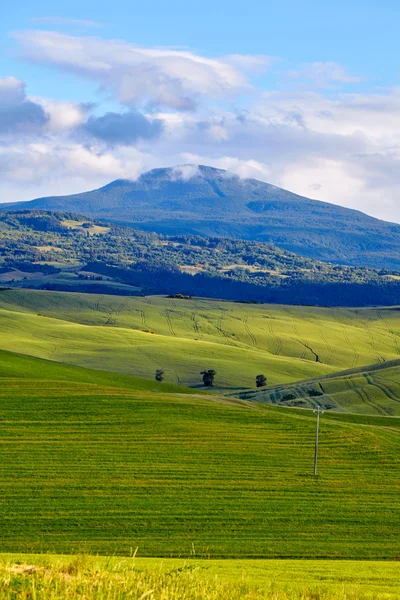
<point x="63" y="251"/>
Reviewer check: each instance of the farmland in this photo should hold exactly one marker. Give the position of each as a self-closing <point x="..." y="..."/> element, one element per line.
<point x="104" y="468"/>
<point x="373" y="389"/>
<point x="138" y="335"/>
<point x="99" y="458"/>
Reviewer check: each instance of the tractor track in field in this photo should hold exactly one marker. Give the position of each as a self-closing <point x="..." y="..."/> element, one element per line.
<point x="144" y="319"/>
<point x="219" y="327"/>
<point x="252" y="337"/>
<point x="346" y="338"/>
<point x="381" y="386"/>
<point x="390" y="330"/>
<point x="52" y="347"/>
<point x="327" y="344"/>
<point x="364" y="396"/>
<point x="112" y="313"/>
<point x="277" y="339"/>
<point x="299" y="340"/>
<point x="220" y="320"/>
<point x="195" y="325"/>
<point x="147" y="301"/>
<point x="169" y="322"/>
<point x="371" y="341"/>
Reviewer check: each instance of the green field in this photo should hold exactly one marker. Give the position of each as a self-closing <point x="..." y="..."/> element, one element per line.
<point x="366" y="390"/>
<point x="51" y="577"/>
<point x="138" y="335"/>
<point x="105" y="468"/>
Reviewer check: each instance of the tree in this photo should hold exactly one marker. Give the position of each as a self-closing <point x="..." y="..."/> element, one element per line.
<point x="208" y="377"/>
<point x="261" y="380"/>
<point x="160" y="375"/>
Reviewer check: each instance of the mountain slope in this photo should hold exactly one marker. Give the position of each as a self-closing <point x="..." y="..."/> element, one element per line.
<point x="213" y="202"/>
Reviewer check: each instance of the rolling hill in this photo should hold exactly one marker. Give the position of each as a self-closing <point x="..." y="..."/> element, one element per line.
<point x="184" y="336"/>
<point x="213" y="202"/>
<point x="374" y="389"/>
<point x="102" y="469"/>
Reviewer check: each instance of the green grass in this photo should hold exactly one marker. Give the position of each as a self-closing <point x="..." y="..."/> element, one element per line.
<point x="139" y="335"/>
<point x="49" y="577"/>
<point x="104" y="469"/>
<point x="27" y="367"/>
<point x="367" y="390"/>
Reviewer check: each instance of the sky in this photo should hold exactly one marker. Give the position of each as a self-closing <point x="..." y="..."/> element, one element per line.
<point x="303" y="95"/>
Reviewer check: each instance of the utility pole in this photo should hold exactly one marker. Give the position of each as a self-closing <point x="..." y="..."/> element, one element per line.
<point x="318" y="411"/>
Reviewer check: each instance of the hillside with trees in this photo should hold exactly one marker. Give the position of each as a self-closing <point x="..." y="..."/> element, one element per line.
<point x="63" y="251"/>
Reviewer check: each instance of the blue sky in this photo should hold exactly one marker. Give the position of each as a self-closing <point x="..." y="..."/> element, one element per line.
<point x="302" y="94"/>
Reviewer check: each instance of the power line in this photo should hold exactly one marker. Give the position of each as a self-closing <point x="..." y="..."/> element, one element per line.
<point x="318" y="411"/>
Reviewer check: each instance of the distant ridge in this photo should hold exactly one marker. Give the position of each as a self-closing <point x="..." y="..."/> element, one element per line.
<point x="198" y="199"/>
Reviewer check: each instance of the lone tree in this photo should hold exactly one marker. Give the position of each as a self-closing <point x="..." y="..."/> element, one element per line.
<point x="208" y="377"/>
<point x="261" y="380"/>
<point x="160" y="375"/>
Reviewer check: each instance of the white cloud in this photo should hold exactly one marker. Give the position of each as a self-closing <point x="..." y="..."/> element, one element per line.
<point x="184" y="172"/>
<point x="342" y="148"/>
<point x="324" y="74"/>
<point x="160" y="77"/>
<point x="64" y="116"/>
<point x="64" y="21"/>
<point x="243" y="168"/>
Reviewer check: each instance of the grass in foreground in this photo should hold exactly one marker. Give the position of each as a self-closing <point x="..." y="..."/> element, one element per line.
<point x="100" y="469"/>
<point x="88" y="578"/>
<point x="138" y="335"/>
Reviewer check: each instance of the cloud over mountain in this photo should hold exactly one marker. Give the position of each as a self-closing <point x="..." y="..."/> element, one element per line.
<point x="160" y="107"/>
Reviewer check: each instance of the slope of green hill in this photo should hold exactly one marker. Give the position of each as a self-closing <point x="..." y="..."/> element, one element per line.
<point x="374" y="389"/>
<point x="94" y="468"/>
<point x="139" y="335"/>
<point x="20" y="366"/>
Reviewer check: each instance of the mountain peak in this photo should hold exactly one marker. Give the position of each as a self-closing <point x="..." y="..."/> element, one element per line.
<point x="203" y="200"/>
<point x="185" y="172"/>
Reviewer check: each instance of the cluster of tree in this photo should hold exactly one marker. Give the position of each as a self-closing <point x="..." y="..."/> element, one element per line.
<point x="209" y="376"/>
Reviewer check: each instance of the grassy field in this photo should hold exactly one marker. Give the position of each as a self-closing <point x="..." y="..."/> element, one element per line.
<point x="102" y="468"/>
<point x="48" y="577"/>
<point x="366" y="390"/>
<point x="139" y="335"/>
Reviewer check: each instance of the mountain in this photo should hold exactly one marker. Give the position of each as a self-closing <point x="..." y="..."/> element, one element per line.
<point x="212" y="202"/>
